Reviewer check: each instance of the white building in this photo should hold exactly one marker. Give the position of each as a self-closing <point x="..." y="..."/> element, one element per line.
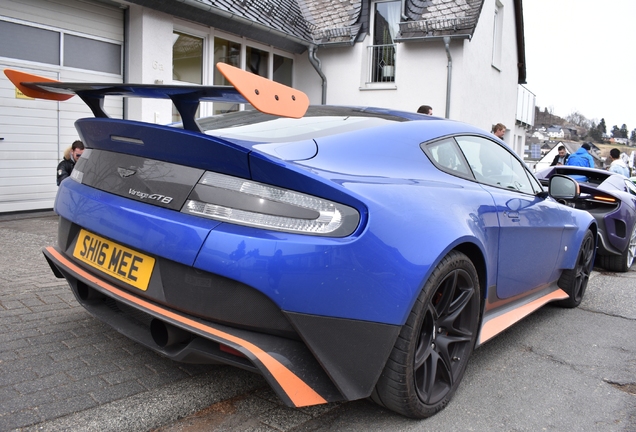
<point x="465" y="58"/>
<point x="556" y="132"/>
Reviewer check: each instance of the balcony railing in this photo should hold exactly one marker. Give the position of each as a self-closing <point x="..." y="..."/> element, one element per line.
<point x="381" y="64"/>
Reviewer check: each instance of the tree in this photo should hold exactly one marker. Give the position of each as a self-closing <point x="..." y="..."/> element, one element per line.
<point x="595" y="133"/>
<point x="579" y="120"/>
<point x="624" y="131"/>
<point x="616" y="132"/>
<point x="601" y="127"/>
<point x="633" y="137"/>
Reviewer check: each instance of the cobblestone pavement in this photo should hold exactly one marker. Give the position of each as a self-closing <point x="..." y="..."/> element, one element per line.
<point x="62" y="369"/>
<point x="56" y="359"/>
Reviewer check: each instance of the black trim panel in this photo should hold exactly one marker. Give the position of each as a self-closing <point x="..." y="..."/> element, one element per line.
<point x="352" y="352"/>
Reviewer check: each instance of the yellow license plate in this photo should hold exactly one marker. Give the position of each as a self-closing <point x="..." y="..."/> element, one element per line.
<point x="118" y="261"/>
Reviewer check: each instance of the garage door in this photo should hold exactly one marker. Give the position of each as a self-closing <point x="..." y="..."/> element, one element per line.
<point x="67" y="40"/>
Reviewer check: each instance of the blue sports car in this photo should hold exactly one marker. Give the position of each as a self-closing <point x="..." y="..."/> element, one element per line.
<point x="341" y="252"/>
<point x="611" y="199"/>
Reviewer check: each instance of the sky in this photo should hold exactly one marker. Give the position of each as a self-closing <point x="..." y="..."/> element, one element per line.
<point x="581" y="56"/>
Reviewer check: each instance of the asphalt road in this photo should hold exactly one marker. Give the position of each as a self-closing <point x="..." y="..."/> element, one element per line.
<point x="60" y="369"/>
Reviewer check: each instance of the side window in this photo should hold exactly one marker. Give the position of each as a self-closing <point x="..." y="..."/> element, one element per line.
<point x="630" y="187"/>
<point x="495" y="165"/>
<point x="447" y="156"/>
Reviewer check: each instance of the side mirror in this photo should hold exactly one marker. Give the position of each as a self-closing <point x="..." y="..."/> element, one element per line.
<point x="563" y="187"/>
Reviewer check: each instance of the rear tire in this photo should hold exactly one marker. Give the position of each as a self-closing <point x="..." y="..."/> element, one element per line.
<point x="574" y="281"/>
<point x="623" y="262"/>
<point x="430" y="355"/>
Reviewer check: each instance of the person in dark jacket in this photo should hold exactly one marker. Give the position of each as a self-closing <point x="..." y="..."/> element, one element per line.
<point x="561" y="158"/>
<point x="582" y="157"/>
<point x="71" y="155"/>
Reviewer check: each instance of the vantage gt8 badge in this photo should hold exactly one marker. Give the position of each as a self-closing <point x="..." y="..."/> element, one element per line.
<point x="156" y="197"/>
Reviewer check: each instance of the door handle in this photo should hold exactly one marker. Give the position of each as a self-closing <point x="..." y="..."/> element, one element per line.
<point x="512" y="214"/>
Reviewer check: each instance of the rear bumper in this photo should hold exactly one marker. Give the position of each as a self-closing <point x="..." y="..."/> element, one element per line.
<point x="335" y="359"/>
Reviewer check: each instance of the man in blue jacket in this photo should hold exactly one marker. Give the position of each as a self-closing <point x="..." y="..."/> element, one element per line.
<point x="582" y="157"/>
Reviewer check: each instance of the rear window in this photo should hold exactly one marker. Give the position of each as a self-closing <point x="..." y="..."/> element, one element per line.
<point x="318" y="122"/>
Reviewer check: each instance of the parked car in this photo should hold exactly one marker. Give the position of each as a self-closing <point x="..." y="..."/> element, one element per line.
<point x="611" y="199"/>
<point x="343" y="254"/>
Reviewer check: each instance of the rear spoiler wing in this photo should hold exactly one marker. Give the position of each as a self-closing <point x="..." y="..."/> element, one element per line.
<point x="265" y="95"/>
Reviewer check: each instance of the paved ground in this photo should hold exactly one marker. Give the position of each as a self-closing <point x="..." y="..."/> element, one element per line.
<point x="61" y="369"/>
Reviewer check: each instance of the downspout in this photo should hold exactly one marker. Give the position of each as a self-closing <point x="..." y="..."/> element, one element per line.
<point x="315" y="62"/>
<point x="449" y="74"/>
<point x="402" y="14"/>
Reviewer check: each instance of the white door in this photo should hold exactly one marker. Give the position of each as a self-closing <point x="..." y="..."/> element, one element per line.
<point x="29" y="150"/>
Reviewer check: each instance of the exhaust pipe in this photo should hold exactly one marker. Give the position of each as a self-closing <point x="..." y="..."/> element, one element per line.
<point x="87" y="294"/>
<point x="165" y="334"/>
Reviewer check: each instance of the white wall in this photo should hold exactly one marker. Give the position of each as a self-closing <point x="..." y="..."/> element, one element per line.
<point x="150" y="61"/>
<point x="481" y="94"/>
<point x="487" y="95"/>
<point x="307" y="79"/>
<point x="420" y="77"/>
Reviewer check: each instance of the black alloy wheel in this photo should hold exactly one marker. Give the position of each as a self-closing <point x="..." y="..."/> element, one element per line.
<point x="430" y="356"/>
<point x="574" y="281"/>
<point x="623" y="262"/>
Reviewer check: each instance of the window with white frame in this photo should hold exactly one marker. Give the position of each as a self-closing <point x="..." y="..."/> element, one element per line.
<point x="225" y="51"/>
<point x="381" y="54"/>
<point x="195" y="57"/>
<point x="283" y="68"/>
<point x="59" y="47"/>
<point x="497" y="35"/>
<point x="187" y="58"/>
<point x="187" y="63"/>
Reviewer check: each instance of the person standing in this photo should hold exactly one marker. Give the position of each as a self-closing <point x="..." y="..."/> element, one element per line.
<point x="618" y="166"/>
<point x="499" y="130"/>
<point x="581" y="157"/>
<point x="71" y="155"/>
<point x="561" y="158"/>
<point x="425" y="109"/>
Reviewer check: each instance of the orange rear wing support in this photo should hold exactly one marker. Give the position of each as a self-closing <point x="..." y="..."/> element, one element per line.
<point x="265" y="95"/>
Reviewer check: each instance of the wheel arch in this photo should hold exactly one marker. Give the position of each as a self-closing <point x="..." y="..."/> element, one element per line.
<point x="594" y="228"/>
<point x="476" y="256"/>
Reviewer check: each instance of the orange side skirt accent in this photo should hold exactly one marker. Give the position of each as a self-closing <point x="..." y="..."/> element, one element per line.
<point x="297" y="390"/>
<point x="499" y="323"/>
<point x="266" y="95"/>
<point x="17" y="78"/>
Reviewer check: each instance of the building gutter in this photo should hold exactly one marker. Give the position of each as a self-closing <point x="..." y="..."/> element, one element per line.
<point x="449" y="74"/>
<point x="315" y="62"/>
<point x="433" y="38"/>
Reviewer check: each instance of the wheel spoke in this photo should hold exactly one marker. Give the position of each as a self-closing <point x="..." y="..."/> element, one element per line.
<point x="583" y="269"/>
<point x="422" y="353"/>
<point x="631" y="249"/>
<point x="450" y="349"/>
<point x="423" y="350"/>
<point x="430" y="376"/>
<point x="433" y="379"/>
<point x="456" y="311"/>
<point x="447" y="291"/>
